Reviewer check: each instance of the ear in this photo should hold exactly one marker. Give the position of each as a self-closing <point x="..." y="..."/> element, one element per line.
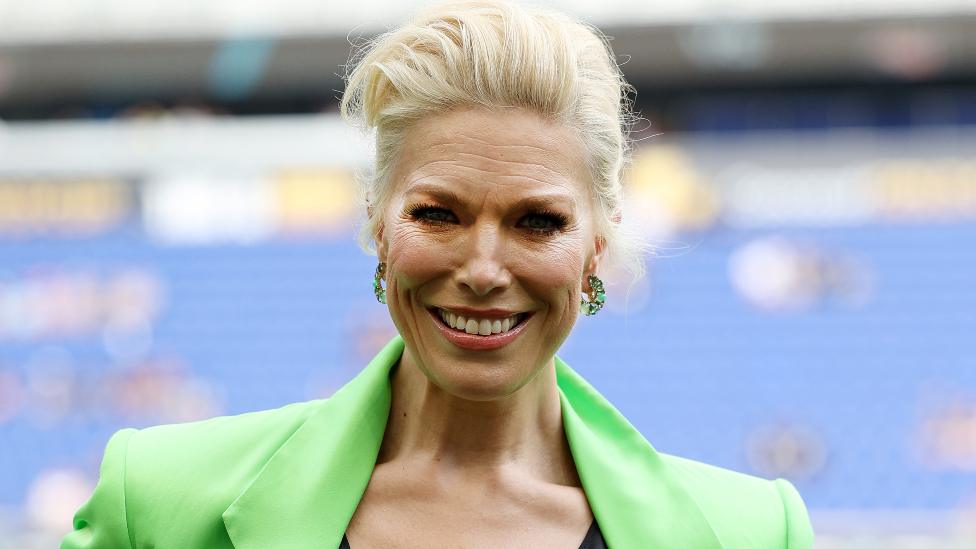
<point x="378" y="233"/>
<point x="382" y="248"/>
<point x="599" y="253"/>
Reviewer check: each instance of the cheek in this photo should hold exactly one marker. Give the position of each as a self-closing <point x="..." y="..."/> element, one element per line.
<point x="414" y="257"/>
<point x="554" y="270"/>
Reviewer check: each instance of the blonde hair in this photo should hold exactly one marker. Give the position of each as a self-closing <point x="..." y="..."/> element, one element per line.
<point x="495" y="53"/>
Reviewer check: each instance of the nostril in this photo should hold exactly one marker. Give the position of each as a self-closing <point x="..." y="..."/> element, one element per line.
<point x="482" y="277"/>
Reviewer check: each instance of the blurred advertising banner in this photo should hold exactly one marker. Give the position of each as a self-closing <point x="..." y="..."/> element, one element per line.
<point x="222" y="182"/>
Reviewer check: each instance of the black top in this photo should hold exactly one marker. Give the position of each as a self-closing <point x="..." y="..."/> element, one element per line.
<point x="593" y="539"/>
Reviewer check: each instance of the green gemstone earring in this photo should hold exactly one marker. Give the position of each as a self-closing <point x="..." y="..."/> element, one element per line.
<point x="378" y="290"/>
<point x="597" y="297"/>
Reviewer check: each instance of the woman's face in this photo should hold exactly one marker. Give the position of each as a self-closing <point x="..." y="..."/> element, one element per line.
<point x="487" y="236"/>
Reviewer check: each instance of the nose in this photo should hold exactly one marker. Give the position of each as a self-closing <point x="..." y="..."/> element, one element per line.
<point x="484" y="268"/>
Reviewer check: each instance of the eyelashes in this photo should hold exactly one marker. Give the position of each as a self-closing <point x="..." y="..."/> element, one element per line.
<point x="542" y="222"/>
<point x="428" y="213"/>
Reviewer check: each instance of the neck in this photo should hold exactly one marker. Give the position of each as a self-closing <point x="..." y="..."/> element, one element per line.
<point x="428" y="426"/>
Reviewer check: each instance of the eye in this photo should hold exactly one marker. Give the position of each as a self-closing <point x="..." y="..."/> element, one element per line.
<point x="427" y="213"/>
<point x="543" y="222"/>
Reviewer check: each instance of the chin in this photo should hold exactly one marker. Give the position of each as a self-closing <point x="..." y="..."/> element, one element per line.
<point x="478" y="381"/>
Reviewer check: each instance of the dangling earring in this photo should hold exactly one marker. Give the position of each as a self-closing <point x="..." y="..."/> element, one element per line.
<point x="378" y="290"/>
<point x="597" y="297"/>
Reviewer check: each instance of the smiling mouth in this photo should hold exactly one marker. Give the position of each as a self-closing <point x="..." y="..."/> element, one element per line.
<point x="478" y="326"/>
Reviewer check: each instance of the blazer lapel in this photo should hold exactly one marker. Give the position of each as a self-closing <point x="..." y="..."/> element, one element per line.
<point x="308" y="491"/>
<point x="633" y="496"/>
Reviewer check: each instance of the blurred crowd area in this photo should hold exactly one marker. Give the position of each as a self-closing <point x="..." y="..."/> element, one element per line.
<point x="178" y="213"/>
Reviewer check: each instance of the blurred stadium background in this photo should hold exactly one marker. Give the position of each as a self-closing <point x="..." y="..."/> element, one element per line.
<point x="177" y="220"/>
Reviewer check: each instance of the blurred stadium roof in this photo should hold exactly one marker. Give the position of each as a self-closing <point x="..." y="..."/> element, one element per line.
<point x="59" y="53"/>
<point x="59" y="21"/>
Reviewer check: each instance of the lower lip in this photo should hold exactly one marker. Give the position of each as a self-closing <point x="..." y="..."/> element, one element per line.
<point x="477" y="342"/>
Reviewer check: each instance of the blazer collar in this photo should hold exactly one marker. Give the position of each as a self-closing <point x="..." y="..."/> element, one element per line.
<point x="308" y="491"/>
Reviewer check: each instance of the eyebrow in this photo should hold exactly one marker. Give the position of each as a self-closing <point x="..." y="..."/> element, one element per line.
<point x="437" y="192"/>
<point x="535" y="202"/>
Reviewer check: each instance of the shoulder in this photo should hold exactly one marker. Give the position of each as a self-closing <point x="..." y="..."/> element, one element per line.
<point x="215" y="441"/>
<point x="744" y="510"/>
<point x="176" y="480"/>
<point x="226" y="451"/>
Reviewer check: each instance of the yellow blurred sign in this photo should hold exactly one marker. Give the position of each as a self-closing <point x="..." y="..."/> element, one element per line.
<point x="316" y="202"/>
<point x="669" y="192"/>
<point x="75" y="207"/>
<point x="926" y="190"/>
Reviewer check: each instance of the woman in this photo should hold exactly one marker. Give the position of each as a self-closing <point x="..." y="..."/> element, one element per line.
<point x="493" y="208"/>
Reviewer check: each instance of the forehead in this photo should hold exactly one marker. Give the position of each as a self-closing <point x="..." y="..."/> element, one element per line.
<point x="475" y="151"/>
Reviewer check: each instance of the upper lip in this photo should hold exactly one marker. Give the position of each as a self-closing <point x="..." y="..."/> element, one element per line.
<point x="481" y="313"/>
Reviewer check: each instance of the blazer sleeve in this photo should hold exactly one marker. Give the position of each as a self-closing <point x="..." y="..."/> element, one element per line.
<point x="799" y="533"/>
<point x="101" y="522"/>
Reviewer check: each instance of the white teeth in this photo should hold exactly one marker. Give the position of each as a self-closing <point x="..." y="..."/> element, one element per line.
<point x="482" y="327"/>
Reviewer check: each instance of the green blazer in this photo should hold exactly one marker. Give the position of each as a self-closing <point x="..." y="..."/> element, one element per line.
<point x="292" y="478"/>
